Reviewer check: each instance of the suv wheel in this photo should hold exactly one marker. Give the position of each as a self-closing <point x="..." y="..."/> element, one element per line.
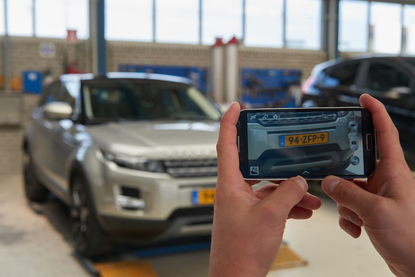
<point x="88" y="236"/>
<point x="34" y="190"/>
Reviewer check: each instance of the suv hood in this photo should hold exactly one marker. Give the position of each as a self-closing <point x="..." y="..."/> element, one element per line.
<point x="157" y="139"/>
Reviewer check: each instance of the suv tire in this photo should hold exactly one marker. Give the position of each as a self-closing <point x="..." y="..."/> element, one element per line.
<point x="34" y="190"/>
<point x="89" y="239"/>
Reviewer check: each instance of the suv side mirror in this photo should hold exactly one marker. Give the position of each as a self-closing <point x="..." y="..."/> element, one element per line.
<point x="57" y="110"/>
<point x="397" y="92"/>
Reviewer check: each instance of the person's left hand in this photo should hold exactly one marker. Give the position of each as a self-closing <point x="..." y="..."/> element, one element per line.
<point x="248" y="225"/>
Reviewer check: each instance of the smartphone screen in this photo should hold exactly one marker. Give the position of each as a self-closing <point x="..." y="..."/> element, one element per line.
<point x="313" y="143"/>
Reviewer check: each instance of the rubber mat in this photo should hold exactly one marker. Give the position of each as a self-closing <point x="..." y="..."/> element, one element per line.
<point x="286" y="258"/>
<point x="125" y="269"/>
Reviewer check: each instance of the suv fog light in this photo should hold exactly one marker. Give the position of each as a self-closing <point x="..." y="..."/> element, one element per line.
<point x="354" y="160"/>
<point x="127" y="202"/>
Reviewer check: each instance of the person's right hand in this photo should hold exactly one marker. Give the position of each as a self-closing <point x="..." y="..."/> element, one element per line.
<point x="385" y="204"/>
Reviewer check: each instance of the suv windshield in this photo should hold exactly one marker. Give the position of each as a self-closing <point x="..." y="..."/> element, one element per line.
<point x="411" y="61"/>
<point x="109" y="100"/>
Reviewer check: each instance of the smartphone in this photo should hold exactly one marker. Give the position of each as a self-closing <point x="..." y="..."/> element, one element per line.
<point x="311" y="142"/>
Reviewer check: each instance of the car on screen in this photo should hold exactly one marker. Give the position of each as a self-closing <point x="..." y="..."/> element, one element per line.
<point x="132" y="154"/>
<point x="302" y="143"/>
<point x="390" y="79"/>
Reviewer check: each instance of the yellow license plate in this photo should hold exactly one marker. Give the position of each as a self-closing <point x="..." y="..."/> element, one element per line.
<point x="203" y="196"/>
<point x="304" y="139"/>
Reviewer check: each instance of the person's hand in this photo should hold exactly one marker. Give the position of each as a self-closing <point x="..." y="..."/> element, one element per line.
<point x="248" y="225"/>
<point x="385" y="204"/>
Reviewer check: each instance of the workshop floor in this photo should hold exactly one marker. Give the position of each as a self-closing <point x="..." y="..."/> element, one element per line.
<point x="35" y="244"/>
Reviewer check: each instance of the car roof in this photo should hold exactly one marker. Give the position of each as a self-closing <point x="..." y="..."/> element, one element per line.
<point x="125" y="75"/>
<point x="357" y="57"/>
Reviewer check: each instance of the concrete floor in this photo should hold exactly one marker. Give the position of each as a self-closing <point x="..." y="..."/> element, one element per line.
<point x="36" y="244"/>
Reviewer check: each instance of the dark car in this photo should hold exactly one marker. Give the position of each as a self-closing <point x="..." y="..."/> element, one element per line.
<point x="389" y="79"/>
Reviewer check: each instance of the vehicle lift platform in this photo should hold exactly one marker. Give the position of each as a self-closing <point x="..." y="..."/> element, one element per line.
<point x="131" y="262"/>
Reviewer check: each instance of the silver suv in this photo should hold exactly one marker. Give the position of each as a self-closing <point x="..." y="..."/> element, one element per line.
<point x="132" y="155"/>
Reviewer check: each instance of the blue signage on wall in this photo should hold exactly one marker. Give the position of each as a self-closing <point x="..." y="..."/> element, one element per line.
<point x="32" y="82"/>
<point x="269" y="87"/>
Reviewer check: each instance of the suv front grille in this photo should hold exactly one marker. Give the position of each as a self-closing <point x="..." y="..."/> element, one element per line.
<point x="290" y="118"/>
<point x="192" y="167"/>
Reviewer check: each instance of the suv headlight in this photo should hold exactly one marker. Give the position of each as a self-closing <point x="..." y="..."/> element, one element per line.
<point x="134" y="162"/>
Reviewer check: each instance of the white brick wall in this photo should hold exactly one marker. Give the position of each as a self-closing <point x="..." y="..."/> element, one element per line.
<point x="25" y="56"/>
<point x="11" y="140"/>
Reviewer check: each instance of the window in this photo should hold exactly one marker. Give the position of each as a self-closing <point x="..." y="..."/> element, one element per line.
<point x="382" y="77"/>
<point x="221" y="19"/>
<point x="133" y="100"/>
<point x="55" y="17"/>
<point x="177" y="21"/>
<point x="386" y="21"/>
<point x="2" y="28"/>
<point x="51" y="94"/>
<point x="303" y="24"/>
<point x="264" y="23"/>
<point x="341" y="76"/>
<point x="20" y="17"/>
<point x="70" y="91"/>
<point x="409" y="24"/>
<point x="353" y="29"/>
<point x="129" y="20"/>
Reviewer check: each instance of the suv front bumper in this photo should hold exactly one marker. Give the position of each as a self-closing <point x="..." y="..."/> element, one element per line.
<point x="168" y="210"/>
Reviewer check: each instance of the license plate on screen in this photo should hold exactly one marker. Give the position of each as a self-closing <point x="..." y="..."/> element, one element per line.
<point x="304" y="139"/>
<point x="203" y="196"/>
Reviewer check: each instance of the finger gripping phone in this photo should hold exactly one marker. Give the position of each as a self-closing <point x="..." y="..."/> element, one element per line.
<point x="310" y="142"/>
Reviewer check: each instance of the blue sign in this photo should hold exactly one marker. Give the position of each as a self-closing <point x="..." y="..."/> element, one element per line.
<point x="269" y="87"/>
<point x="32" y="82"/>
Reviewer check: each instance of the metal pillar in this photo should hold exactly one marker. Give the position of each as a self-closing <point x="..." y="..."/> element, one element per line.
<point x="102" y="44"/>
<point x="34" y="18"/>
<point x="200" y="20"/>
<point x="93" y="35"/>
<point x="6" y="50"/>
<point x="154" y="20"/>
<point x="242" y="40"/>
<point x="97" y="36"/>
<point x="284" y="24"/>
<point x="332" y="21"/>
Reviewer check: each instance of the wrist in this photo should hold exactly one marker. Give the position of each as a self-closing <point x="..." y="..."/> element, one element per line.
<point x="223" y="265"/>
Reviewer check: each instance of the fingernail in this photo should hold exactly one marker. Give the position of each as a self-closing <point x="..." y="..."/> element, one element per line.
<point x="233" y="103"/>
<point x="301" y="182"/>
<point x="333" y="182"/>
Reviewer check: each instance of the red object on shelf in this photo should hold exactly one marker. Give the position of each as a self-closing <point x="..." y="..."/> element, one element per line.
<point x="218" y="43"/>
<point x="233" y="40"/>
<point x="71" y="69"/>
<point x="72" y="36"/>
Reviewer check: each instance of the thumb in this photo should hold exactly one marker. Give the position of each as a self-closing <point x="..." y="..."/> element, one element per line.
<point x="348" y="194"/>
<point x="288" y="194"/>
